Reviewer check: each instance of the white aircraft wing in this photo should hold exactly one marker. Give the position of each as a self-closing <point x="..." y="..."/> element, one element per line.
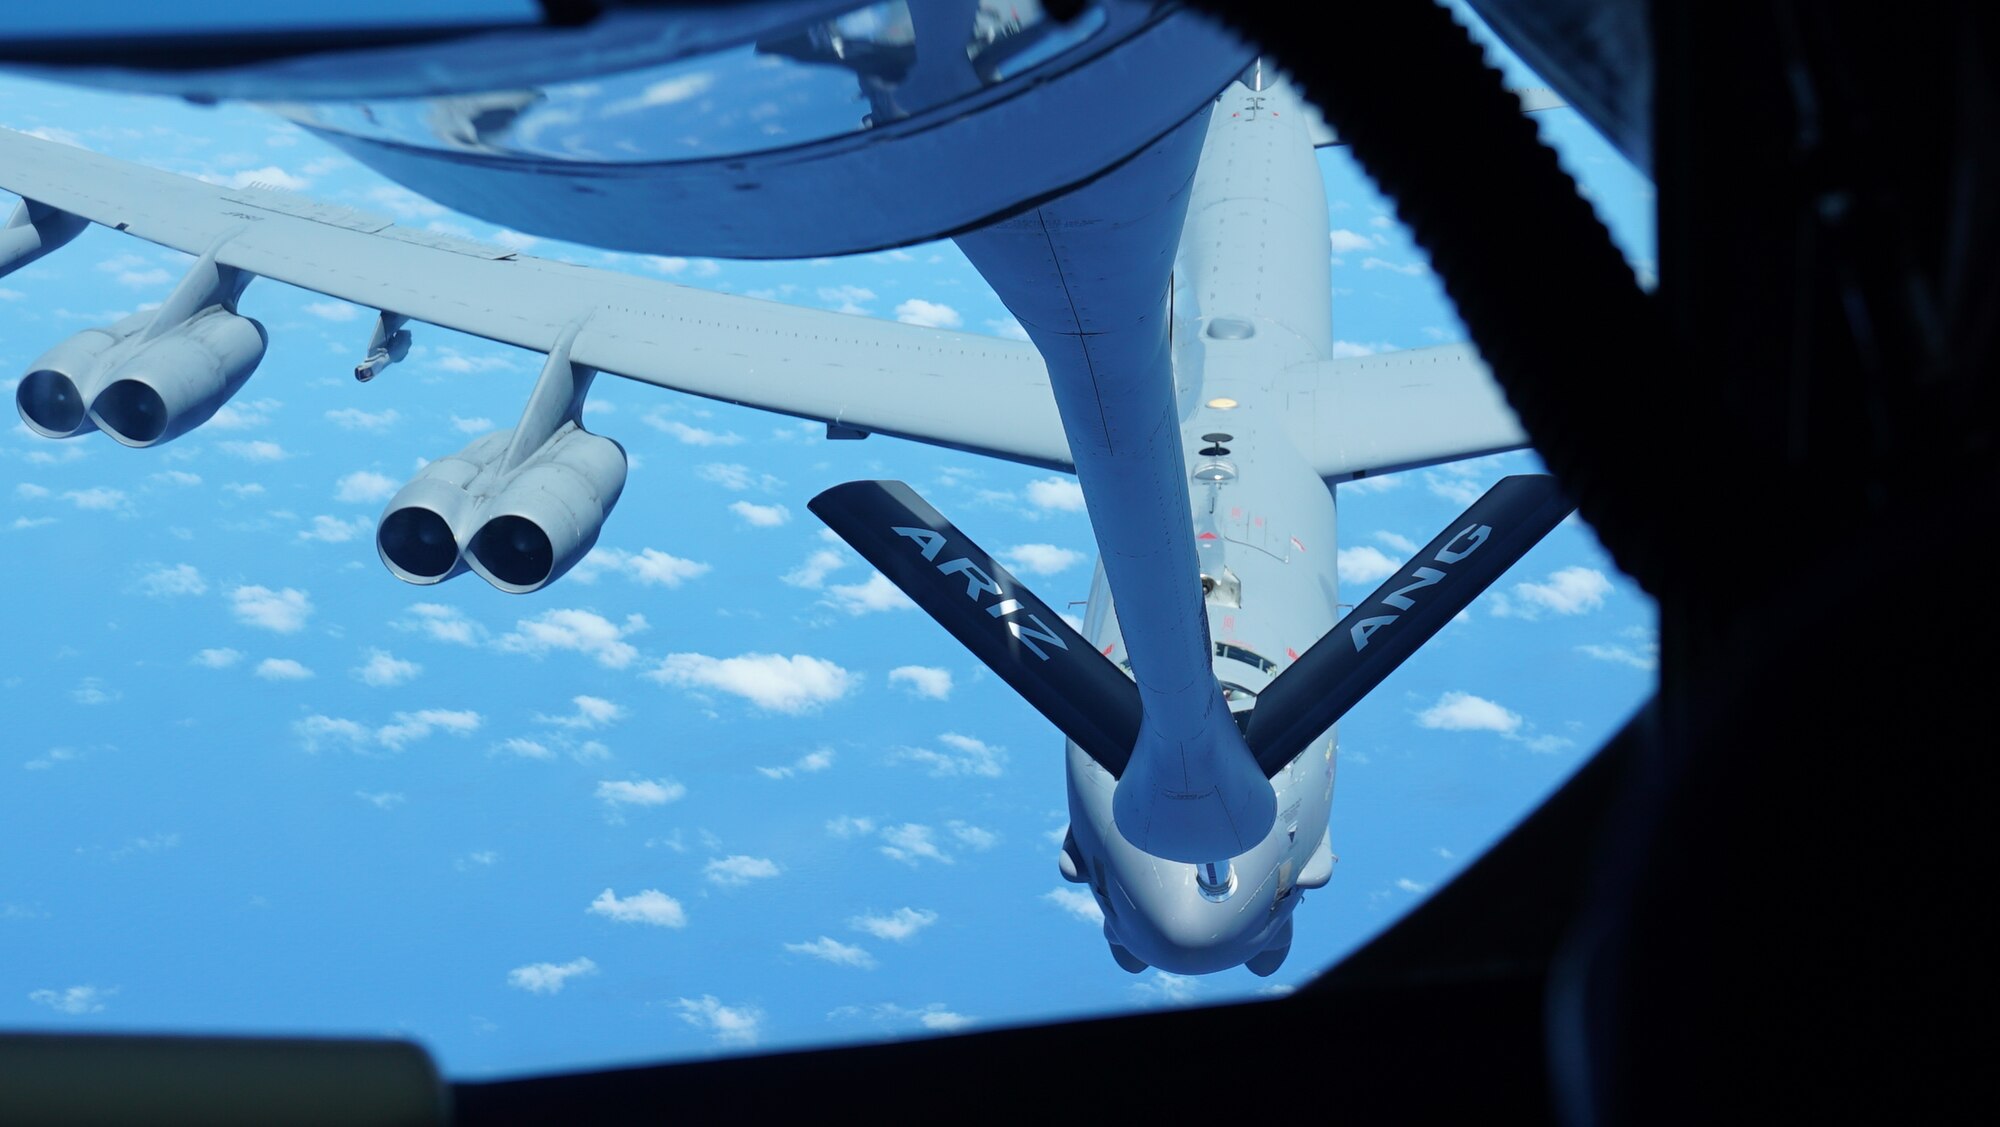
<point x="1400" y="410"/>
<point x="959" y="390"/>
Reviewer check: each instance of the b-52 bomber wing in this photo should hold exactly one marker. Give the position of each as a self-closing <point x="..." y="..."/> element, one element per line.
<point x="859" y="375"/>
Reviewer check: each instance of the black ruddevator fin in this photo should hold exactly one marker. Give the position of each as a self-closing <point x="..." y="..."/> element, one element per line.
<point x="1388" y="626"/>
<point x="991" y="613"/>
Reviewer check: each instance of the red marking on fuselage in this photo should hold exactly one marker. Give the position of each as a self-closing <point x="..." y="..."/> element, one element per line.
<point x="1109" y="648"/>
<point x="1291" y="653"/>
<point x="1206" y="536"/>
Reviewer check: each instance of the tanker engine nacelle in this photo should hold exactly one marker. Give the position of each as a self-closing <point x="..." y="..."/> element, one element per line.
<point x="521" y="528"/>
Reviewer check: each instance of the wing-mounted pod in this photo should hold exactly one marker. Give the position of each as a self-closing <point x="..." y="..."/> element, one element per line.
<point x="387" y="345"/>
<point x="518" y="507"/>
<point x="54" y="396"/>
<point x="152" y="376"/>
<point x="34" y="230"/>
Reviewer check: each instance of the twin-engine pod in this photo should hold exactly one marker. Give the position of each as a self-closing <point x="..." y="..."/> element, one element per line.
<point x="141" y="390"/>
<point x="153" y="376"/>
<point x="519" y="528"/>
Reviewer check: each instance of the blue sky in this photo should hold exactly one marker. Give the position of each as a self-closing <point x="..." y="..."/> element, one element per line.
<point x="710" y="792"/>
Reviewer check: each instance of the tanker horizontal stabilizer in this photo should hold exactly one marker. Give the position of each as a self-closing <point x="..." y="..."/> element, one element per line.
<point x="1388" y="626"/>
<point x="991" y="613"/>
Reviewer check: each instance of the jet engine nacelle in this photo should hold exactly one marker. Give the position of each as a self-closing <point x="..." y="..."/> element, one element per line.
<point x="521" y="528"/>
<point x="152" y="376"/>
<point x="178" y="380"/>
<point x="54" y="397"/>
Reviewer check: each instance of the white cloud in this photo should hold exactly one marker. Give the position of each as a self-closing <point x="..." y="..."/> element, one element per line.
<point x="1573" y="590"/>
<point x="334" y="530"/>
<point x="47" y="760"/>
<point x="383" y="669"/>
<point x="404" y="203"/>
<point x="218" y="658"/>
<point x="383" y="800"/>
<point x="1077" y="903"/>
<point x="936" y="1017"/>
<point x="591" y="712"/>
<point x="1006" y="327"/>
<point x="898" y="926"/>
<point x="730" y="1025"/>
<point x="92" y="690"/>
<point x="364" y="486"/>
<point x="649" y="906"/>
<point x="847" y="826"/>
<point x="354" y="418"/>
<point x="735" y="478"/>
<point x="1343" y="241"/>
<point x="180" y="579"/>
<point x="1401" y="544"/>
<point x="257" y="451"/>
<point x="243" y="415"/>
<point x="761" y="516"/>
<point x="648" y="567"/>
<point x="910" y="843"/>
<point x="829" y="949"/>
<point x="452" y="360"/>
<point x="876" y="594"/>
<point x="181" y="478"/>
<point x="1463" y="712"/>
<point x="972" y="836"/>
<point x="1160" y="987"/>
<point x="965" y="756"/>
<point x="1062" y="494"/>
<point x="318" y="731"/>
<point x="794" y="684"/>
<point x="691" y="435"/>
<point x="847" y="299"/>
<point x="282" y="669"/>
<point x="1643" y="653"/>
<point x="640" y="792"/>
<point x="814" y="571"/>
<point x="97" y="499"/>
<point x="244" y="488"/>
<point x="333" y="310"/>
<point x="811" y="762"/>
<point x="409" y="726"/>
<point x="923" y="680"/>
<point x="1040" y="559"/>
<point x="442" y="623"/>
<point x="1408" y="885"/>
<point x="283" y="611"/>
<point x="577" y="631"/>
<point x="548" y="978"/>
<point x="1411" y="268"/>
<point x="737" y="870"/>
<point x="30" y="491"/>
<point x="1365" y="564"/>
<point x="478" y="425"/>
<point x="933" y="1017"/>
<point x="929" y="314"/>
<point x="74" y="1000"/>
<point x="523" y="748"/>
